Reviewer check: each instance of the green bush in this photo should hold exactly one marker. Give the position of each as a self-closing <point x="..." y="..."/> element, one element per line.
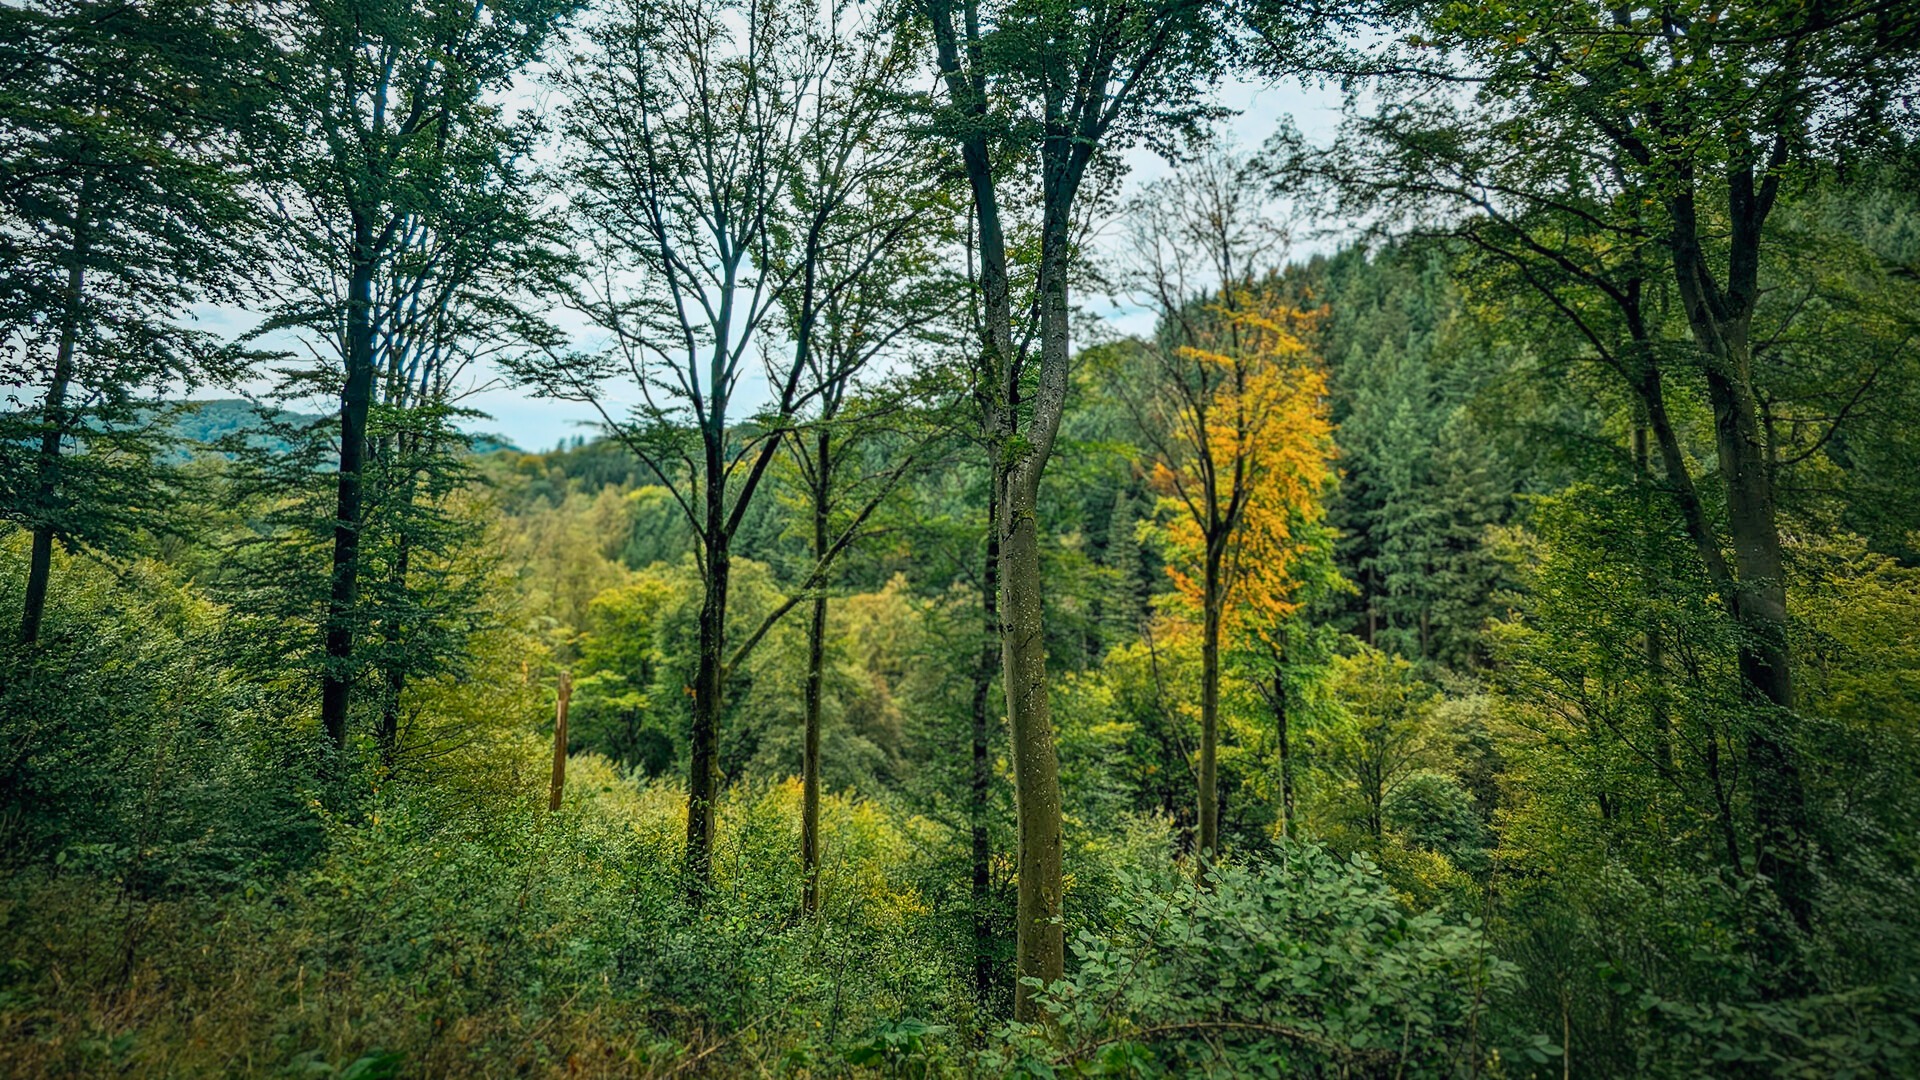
<point x="1300" y="965"/>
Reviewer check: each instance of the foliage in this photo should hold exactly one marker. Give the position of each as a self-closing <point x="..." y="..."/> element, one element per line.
<point x="1299" y="965"/>
<point x="1527" y="588"/>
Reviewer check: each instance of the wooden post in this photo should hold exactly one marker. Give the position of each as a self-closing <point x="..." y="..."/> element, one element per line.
<point x="560" y="741"/>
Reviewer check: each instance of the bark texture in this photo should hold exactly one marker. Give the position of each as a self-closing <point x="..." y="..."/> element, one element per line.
<point x="979" y="803"/>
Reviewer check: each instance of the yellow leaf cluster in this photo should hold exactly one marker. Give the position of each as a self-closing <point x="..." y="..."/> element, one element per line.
<point x="1249" y="460"/>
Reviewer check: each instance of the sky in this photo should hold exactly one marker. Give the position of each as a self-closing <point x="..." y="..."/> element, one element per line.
<point x="537" y="424"/>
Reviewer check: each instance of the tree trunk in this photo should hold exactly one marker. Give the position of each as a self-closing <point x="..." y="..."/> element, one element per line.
<point x="1780" y="821"/>
<point x="1721" y="322"/>
<point x="558" y="787"/>
<point x="355" y="396"/>
<point x="816" y="664"/>
<point x="703" y="768"/>
<point x="1208" y="845"/>
<point x="1040" y="949"/>
<point x="47" y="482"/>
<point x="1286" y="754"/>
<point x="979" y="801"/>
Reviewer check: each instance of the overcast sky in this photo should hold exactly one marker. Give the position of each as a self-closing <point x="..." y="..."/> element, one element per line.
<point x="535" y="424"/>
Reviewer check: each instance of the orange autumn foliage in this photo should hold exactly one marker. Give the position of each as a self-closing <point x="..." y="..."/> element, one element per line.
<point x="1250" y="454"/>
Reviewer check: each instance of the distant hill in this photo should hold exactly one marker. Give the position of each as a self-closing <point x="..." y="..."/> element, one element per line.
<point x="206" y="421"/>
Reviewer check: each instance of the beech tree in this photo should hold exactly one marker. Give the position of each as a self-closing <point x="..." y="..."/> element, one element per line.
<point x="691" y="125"/>
<point x="1231" y="408"/>
<point x="1075" y="82"/>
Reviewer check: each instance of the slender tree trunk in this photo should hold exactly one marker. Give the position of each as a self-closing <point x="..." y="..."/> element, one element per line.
<point x="47" y="481"/>
<point x="709" y="678"/>
<point x="1210" y="602"/>
<point x="816" y="664"/>
<point x="355" y="397"/>
<point x="1286" y="754"/>
<point x="979" y="803"/>
<point x="557" y="788"/>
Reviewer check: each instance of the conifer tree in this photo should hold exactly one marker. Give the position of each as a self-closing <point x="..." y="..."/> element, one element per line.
<point x="119" y="206"/>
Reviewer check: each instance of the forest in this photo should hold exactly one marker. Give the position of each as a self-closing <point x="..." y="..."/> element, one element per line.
<point x="1071" y="559"/>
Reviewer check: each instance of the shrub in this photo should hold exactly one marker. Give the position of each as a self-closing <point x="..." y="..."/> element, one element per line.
<point x="1302" y="965"/>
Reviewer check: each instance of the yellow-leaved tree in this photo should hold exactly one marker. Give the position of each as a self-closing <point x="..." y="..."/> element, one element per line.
<point x="1242" y="457"/>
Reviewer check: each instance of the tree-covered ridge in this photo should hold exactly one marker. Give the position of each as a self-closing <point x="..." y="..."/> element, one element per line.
<point x="1488" y="648"/>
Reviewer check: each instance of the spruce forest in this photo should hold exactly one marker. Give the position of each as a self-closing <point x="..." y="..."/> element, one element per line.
<point x="1135" y="538"/>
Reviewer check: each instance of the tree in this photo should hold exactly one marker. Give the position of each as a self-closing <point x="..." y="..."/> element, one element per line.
<point x="1387" y="734"/>
<point x="1076" y="81"/>
<point x="119" y="204"/>
<point x="719" y="184"/>
<point x="866" y="241"/>
<point x="387" y="109"/>
<point x="1610" y="158"/>
<point x="452" y="292"/>
<point x="1232" y="409"/>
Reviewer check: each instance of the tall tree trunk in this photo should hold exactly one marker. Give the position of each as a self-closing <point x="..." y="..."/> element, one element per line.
<point x="816" y="664"/>
<point x="1721" y="322"/>
<point x="1722" y="325"/>
<point x="355" y="397"/>
<point x="1017" y="460"/>
<point x="1208" y="846"/>
<point x="979" y="803"/>
<point x="1040" y="947"/>
<point x="1781" y="828"/>
<point x="46" y="489"/>
<point x="708" y="685"/>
